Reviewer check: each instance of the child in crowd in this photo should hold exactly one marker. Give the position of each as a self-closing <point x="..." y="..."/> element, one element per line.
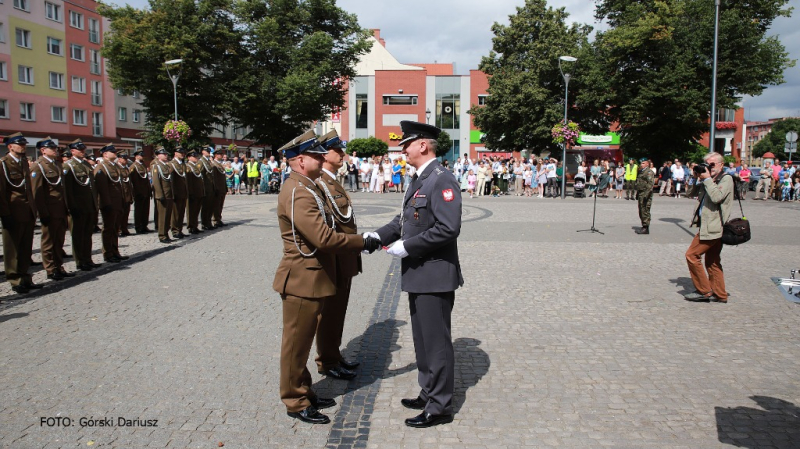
<point x="797" y="189"/>
<point x="527" y="175"/>
<point x="472" y="179"/>
<point x="786" y="182"/>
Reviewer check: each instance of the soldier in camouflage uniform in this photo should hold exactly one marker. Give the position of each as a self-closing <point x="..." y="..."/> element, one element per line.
<point x="644" y="191"/>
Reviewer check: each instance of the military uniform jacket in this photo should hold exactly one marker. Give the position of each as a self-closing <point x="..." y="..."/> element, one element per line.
<point x="108" y="178"/>
<point x="179" y="187"/>
<point x="645" y="181"/>
<point x="137" y="173"/>
<point x="16" y="196"/>
<point x="161" y="173"/>
<point x="127" y="187"/>
<point x="195" y="181"/>
<point x="80" y="187"/>
<point x="208" y="175"/>
<point x="48" y="189"/>
<point x="309" y="275"/>
<point x="219" y="177"/>
<point x="347" y="264"/>
<point x="429" y="227"/>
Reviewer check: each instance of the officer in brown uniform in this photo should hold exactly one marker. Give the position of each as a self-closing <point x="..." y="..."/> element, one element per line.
<point x="17" y="213"/>
<point x="79" y="186"/>
<point x="196" y="188"/>
<point x="51" y="204"/>
<point x="142" y="192"/>
<point x="331" y="323"/>
<point x="108" y="178"/>
<point x="207" y="208"/>
<point x="306" y="276"/>
<point x="220" y="188"/>
<point x="161" y="174"/>
<point x="179" y="192"/>
<point x="127" y="194"/>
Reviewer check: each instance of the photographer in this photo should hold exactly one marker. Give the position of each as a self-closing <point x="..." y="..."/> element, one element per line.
<point x="715" y="194"/>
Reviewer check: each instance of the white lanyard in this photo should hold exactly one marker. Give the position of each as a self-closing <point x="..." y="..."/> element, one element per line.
<point x="45" y="177"/>
<point x="111" y="178"/>
<point x="88" y="178"/>
<point x="321" y="207"/>
<point x="161" y="172"/>
<point x="178" y="172"/>
<point x="345" y="218"/>
<point x="22" y="183"/>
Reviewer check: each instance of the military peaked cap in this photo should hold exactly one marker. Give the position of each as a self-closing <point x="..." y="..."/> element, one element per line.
<point x="16" y="138"/>
<point x="77" y="144"/>
<point x="46" y="143"/>
<point x="332" y="141"/>
<point x="304" y="143"/>
<point x="415" y="130"/>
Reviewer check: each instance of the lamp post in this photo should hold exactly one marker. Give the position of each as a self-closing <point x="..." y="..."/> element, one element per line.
<point x="566" y="77"/>
<point x="428" y="116"/>
<point x="174" y="79"/>
<point x="712" y="135"/>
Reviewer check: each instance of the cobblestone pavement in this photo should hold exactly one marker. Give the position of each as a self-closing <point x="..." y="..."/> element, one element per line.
<point x="563" y="339"/>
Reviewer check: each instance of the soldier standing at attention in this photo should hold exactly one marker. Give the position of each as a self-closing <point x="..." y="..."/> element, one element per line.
<point x="425" y="236"/>
<point x="331" y="323"/>
<point x="220" y="188"/>
<point x="127" y="194"/>
<point x="109" y="191"/>
<point x="179" y="192"/>
<point x="18" y="214"/>
<point x="306" y="275"/>
<point x="162" y="192"/>
<point x="196" y="191"/>
<point x="207" y="208"/>
<point x="644" y="191"/>
<point x="142" y="192"/>
<point x="51" y="204"/>
<point x="82" y="203"/>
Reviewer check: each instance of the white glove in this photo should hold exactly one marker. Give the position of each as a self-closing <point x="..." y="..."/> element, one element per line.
<point x="397" y="250"/>
<point x="371" y="234"/>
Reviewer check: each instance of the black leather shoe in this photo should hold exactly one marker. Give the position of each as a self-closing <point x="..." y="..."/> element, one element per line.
<point x="339" y="373"/>
<point x="179" y="235"/>
<point x="165" y="240"/>
<point x="120" y="256"/>
<point x="67" y="274"/>
<point x="198" y="231"/>
<point x="310" y="415"/>
<point x="85" y="267"/>
<point x="349" y="365"/>
<point x="425" y="419"/>
<point x="415" y="404"/>
<point x="20" y="289"/>
<point x="56" y="276"/>
<point x="33" y="286"/>
<point x="643" y="230"/>
<point x="94" y="265"/>
<point x="193" y="231"/>
<point x="113" y="259"/>
<point x="220" y="224"/>
<point x="322" y="403"/>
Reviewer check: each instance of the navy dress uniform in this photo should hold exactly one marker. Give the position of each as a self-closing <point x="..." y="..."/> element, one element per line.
<point x="425" y="235"/>
<point x="79" y="185"/>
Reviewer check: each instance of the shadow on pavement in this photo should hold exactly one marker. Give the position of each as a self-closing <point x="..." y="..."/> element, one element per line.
<point x="775" y="424"/>
<point x="677" y="222"/>
<point x="685" y="283"/>
<point x="11" y="316"/>
<point x="472" y="363"/>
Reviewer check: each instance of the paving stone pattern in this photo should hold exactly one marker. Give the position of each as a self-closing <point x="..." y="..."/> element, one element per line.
<point x="562" y="339"/>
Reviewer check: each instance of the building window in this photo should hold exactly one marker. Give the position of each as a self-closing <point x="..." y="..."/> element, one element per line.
<point x="400" y="100"/>
<point x="22" y="4"/>
<point x="76" y="52"/>
<point x="97" y="89"/>
<point x="726" y="115"/>
<point x="361" y="111"/>
<point x="136" y="115"/>
<point x="57" y="81"/>
<point x="482" y="100"/>
<point x="135" y="94"/>
<point x="448" y="111"/>
<point x="23" y="38"/>
<point x="52" y="12"/>
<point x="123" y="114"/>
<point x="76" y="20"/>
<point x="3" y="74"/>
<point x="94" y="31"/>
<point x="79" y="84"/>
<point x="97" y="124"/>
<point x="25" y="75"/>
<point x="54" y="46"/>
<point x="4" y="109"/>
<point x="2" y="33"/>
<point x="94" y="62"/>
<point x="79" y="117"/>
<point x="57" y="114"/>
<point x="27" y="112"/>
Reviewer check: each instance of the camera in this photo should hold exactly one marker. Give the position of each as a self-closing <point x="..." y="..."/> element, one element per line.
<point x="699" y="169"/>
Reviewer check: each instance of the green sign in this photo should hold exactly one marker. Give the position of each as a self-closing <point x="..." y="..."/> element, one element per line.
<point x="606" y="139"/>
<point x="475" y="136"/>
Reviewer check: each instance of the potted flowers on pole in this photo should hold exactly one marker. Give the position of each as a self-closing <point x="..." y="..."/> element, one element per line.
<point x="565" y="134"/>
<point x="177" y="132"/>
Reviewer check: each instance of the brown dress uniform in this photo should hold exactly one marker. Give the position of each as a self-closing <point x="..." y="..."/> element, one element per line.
<point x="161" y="175"/>
<point x="209" y="200"/>
<point x="331" y="322"/>
<point x="79" y="186"/>
<point x="196" y="187"/>
<point x="19" y="216"/>
<point x="220" y="190"/>
<point x="305" y="279"/>
<point x="51" y="204"/>
<point x="142" y="192"/>
<point x="180" y="194"/>
<point x="127" y="200"/>
<point x="108" y="177"/>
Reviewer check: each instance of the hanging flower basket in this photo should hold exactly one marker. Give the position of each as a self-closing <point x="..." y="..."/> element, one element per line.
<point x="565" y="134"/>
<point x="177" y="131"/>
<point x="726" y="125"/>
<point x="232" y="148"/>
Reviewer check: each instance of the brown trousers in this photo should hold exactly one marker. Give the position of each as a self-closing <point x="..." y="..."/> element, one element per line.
<point x="300" y="318"/>
<point x="141" y="213"/>
<point x="81" y="227"/>
<point x="17" y="248"/>
<point x="164" y="211"/>
<point x="193" y="212"/>
<point x="714" y="281"/>
<point x="331" y="326"/>
<point x="207" y="210"/>
<point x="178" y="212"/>
<point x="123" y="217"/>
<point x="52" y="244"/>
<point x="218" y="205"/>
<point x="110" y="235"/>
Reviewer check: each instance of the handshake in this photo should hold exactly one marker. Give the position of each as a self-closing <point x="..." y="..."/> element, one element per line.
<point x="372" y="243"/>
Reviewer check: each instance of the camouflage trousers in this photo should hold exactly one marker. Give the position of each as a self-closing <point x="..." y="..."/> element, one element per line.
<point x="645" y="201"/>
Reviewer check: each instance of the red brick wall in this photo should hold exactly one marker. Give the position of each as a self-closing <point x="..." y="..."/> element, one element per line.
<point x="389" y="82"/>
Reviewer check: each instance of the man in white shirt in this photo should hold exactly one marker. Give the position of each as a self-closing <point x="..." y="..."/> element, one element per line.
<point x="552" y="178"/>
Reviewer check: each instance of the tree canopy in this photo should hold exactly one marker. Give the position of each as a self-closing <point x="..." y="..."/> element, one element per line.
<point x="367" y="147"/>
<point x="775" y="141"/>
<point x="443" y="144"/>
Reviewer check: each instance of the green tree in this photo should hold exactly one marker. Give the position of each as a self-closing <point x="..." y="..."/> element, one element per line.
<point x="443" y="144"/>
<point x="775" y="141"/>
<point x="368" y="147"/>
<point x="526" y="90"/>
<point x="656" y="65"/>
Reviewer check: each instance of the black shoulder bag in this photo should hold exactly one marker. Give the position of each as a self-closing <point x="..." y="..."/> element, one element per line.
<point x="736" y="230"/>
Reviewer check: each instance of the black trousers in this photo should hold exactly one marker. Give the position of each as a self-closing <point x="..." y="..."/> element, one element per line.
<point x="433" y="345"/>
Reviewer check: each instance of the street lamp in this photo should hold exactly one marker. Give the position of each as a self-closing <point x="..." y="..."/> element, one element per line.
<point x="712" y="136"/>
<point x="566" y="77"/>
<point x="428" y="116"/>
<point x="174" y="79"/>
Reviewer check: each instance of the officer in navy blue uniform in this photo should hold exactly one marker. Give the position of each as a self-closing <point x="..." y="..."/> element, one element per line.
<point x="425" y="236"/>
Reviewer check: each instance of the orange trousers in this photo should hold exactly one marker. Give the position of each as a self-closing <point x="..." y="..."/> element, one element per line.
<point x="714" y="281"/>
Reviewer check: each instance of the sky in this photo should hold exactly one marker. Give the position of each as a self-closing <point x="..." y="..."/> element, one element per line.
<point x="459" y="31"/>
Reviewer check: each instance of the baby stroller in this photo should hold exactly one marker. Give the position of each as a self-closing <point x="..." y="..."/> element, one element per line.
<point x="274" y="185"/>
<point x="579" y="186"/>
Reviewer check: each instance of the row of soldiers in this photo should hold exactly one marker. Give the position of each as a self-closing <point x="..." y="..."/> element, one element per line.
<point x="71" y="190"/>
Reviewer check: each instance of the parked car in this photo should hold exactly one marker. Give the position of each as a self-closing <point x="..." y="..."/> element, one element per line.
<point x="755" y="176"/>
